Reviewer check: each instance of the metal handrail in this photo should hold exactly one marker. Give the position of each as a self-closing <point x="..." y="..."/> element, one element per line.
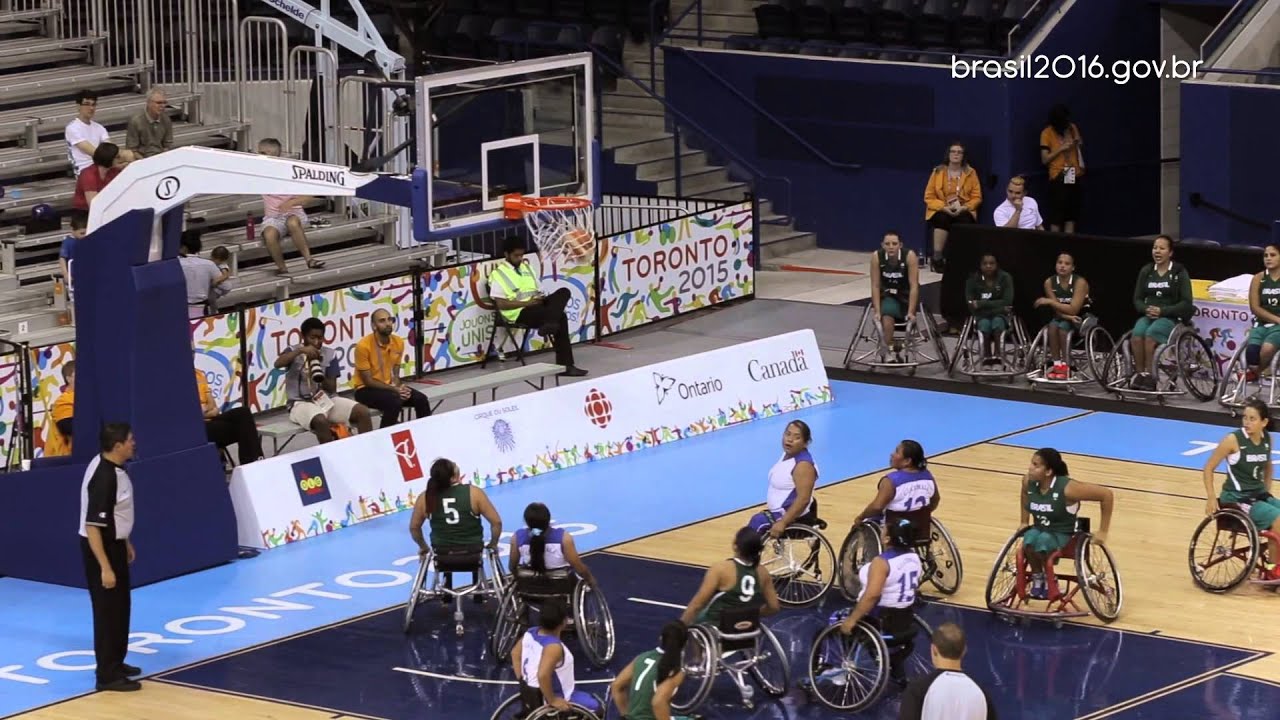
<point x="656" y="38"/>
<point x="1229" y="22"/>
<point x="761" y="112"/>
<point x="1014" y="29"/>
<point x="756" y="173"/>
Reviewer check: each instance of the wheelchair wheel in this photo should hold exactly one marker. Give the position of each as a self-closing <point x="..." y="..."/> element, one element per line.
<point x="848" y="673"/>
<point x="768" y="647"/>
<point x="1198" y="365"/>
<point x="499" y="577"/>
<point x="942" y="561"/>
<point x="416" y="594"/>
<point x="1003" y="583"/>
<point x="507" y="625"/>
<point x="1099" y="579"/>
<point x="1098" y="346"/>
<point x="920" y="663"/>
<point x="859" y="547"/>
<point x="593" y="624"/>
<point x="1037" y="358"/>
<point x="1224" y="550"/>
<point x="1119" y="365"/>
<point x="931" y="326"/>
<point x="701" y="657"/>
<point x="964" y="347"/>
<point x="801" y="563"/>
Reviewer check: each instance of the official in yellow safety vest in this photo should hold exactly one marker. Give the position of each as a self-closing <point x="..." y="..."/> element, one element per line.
<point x="513" y="287"/>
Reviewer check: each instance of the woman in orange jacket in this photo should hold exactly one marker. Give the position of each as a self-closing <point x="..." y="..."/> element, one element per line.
<point x="951" y="197"/>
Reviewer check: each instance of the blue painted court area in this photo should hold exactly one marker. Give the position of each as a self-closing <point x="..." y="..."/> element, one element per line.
<point x="1224" y="696"/>
<point x="1125" y="437"/>
<point x="45" y="634"/>
<point x="369" y="667"/>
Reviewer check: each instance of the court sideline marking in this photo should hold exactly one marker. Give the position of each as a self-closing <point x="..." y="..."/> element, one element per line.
<point x="485" y="681"/>
<point x="1169" y="689"/>
<point x="251" y="696"/>
<point x="942" y="463"/>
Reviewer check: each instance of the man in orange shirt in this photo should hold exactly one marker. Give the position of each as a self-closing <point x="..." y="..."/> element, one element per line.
<point x="378" y="385"/>
<point x="233" y="427"/>
<point x="58" y="442"/>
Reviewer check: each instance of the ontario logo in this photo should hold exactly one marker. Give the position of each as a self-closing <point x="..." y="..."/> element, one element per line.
<point x="598" y="408"/>
<point x="664" y="385"/>
<point x="308" y="475"/>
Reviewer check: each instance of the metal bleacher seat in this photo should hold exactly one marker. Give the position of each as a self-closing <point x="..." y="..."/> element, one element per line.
<point x="891" y="23"/>
<point x="815" y="19"/>
<point x="972" y="26"/>
<point x="774" y="20"/>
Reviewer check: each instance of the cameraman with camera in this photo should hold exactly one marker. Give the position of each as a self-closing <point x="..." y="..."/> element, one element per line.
<point x="311" y="386"/>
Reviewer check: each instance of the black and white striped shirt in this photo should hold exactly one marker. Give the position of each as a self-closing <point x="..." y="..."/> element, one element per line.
<point x="106" y="500"/>
<point x="946" y="695"/>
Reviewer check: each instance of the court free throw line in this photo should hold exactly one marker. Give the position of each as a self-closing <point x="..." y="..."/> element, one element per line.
<point x="655" y="602"/>
<point x="483" y="681"/>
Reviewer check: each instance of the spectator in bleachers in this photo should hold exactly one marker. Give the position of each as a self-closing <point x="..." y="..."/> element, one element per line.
<point x="1060" y="151"/>
<point x="311" y="386"/>
<point x="233" y="427"/>
<point x="83" y="134"/>
<point x="107" y="164"/>
<point x="378" y="385"/>
<point x="150" y="132"/>
<point x="221" y="257"/>
<point x="57" y="441"/>
<point x="513" y="286"/>
<point x="205" y="280"/>
<point x="281" y="213"/>
<point x="1019" y="210"/>
<point x="951" y="197"/>
<point x="66" y="256"/>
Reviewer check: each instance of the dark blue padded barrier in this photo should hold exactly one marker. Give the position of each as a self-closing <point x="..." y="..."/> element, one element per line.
<point x="1229" y="158"/>
<point x="897" y="119"/>
<point x="133" y="364"/>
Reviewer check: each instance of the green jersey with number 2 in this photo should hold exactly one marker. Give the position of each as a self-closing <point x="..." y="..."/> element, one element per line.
<point x="1049" y="509"/>
<point x="454" y="522"/>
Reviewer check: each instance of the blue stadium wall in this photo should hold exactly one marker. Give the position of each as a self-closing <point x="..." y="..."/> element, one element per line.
<point x="1229" y="156"/>
<point x="896" y="120"/>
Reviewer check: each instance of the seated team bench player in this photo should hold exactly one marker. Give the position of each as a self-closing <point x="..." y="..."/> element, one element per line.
<point x="311" y="386"/>
<point x="895" y="290"/>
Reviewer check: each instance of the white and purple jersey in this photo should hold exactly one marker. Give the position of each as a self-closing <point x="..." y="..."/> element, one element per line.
<point x="531" y="646"/>
<point x="900" y="586"/>
<point x="553" y="555"/>
<point x="912" y="490"/>
<point x="782" y="487"/>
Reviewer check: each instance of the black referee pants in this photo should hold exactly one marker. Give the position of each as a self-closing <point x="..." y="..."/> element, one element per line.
<point x="110" y="608"/>
<point x="235" y="427"/>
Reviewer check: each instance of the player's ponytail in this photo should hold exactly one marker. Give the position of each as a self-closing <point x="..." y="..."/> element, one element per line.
<point x="537" y="517"/>
<point x="749" y="545"/>
<point x="914" y="454"/>
<point x="442" y="472"/>
<point x="671" y="642"/>
<point x="1052" y="459"/>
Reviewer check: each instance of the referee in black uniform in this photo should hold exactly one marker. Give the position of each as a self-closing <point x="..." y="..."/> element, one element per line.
<point x="106" y="520"/>
<point x="946" y="693"/>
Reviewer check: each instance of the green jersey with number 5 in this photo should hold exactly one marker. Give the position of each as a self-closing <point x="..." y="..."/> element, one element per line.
<point x="644" y="685"/>
<point x="1050" y="510"/>
<point x="454" y="522"/>
<point x="744" y="593"/>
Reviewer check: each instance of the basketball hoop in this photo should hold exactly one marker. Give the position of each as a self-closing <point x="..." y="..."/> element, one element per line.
<point x="560" y="224"/>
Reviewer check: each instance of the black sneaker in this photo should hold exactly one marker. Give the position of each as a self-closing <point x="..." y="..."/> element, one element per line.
<point x="130" y="670"/>
<point x="573" y="371"/>
<point x="121" y="685"/>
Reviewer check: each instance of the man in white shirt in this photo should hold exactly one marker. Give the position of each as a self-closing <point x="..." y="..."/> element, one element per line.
<point x="947" y="693"/>
<point x="83" y="134"/>
<point x="1018" y="210"/>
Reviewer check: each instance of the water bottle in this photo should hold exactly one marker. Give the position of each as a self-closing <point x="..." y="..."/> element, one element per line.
<point x="249" y="230"/>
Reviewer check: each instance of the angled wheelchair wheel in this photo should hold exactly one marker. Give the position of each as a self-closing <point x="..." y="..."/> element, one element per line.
<point x="942" y="561"/>
<point x="860" y="546"/>
<point x="1224" y="550"/>
<point x="575" y="712"/>
<point x="499" y="577"/>
<point x="1002" y="585"/>
<point x="936" y="337"/>
<point x="593" y="624"/>
<point x="1233" y="386"/>
<point x="1099" y="579"/>
<point x="508" y="623"/>
<point x="801" y="563"/>
<point x="1098" y="346"/>
<point x="963" y="356"/>
<point x="1198" y="366"/>
<point x="701" y="657"/>
<point x="848" y="673"/>
<point x="510" y="709"/>
<point x="920" y="662"/>
<point x="1119" y="365"/>
<point x="1037" y="357"/>
<point x="416" y="594"/>
<point x="772" y="669"/>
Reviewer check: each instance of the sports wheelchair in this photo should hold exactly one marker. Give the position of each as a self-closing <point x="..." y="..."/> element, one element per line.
<point x="801" y="562"/>
<point x="590" y="619"/>
<point x="1226" y="548"/>
<point x="1095" y="577"/>
<point x="1090" y="345"/>
<point x="1186" y="357"/>
<point x="469" y="559"/>
<point x="1234" y="388"/>
<point x="849" y="673"/>
<point x="917" y="343"/>
<point x="939" y="556"/>
<point x="970" y="356"/>
<point x="529" y="705"/>
<point x="739" y="644"/>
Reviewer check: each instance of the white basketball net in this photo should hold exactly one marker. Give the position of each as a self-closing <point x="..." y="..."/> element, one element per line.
<point x="563" y="235"/>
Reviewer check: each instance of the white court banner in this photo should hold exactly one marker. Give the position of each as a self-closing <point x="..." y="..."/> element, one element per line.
<point x="316" y="490"/>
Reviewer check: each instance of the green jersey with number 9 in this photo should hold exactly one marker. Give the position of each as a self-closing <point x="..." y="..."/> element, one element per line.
<point x="454" y="522"/>
<point x="744" y="593"/>
<point x="1049" y="509"/>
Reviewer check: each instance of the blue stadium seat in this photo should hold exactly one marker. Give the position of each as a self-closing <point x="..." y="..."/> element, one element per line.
<point x="742" y="42"/>
<point x="609" y="12"/>
<point x="467" y="40"/>
<point x="972" y="25"/>
<point x="782" y="46"/>
<point x="506" y="37"/>
<point x="853" y="22"/>
<point x="497" y="8"/>
<point x="892" y="22"/>
<point x="533" y="9"/>
<point x="571" y="11"/>
<point x="817" y="48"/>
<point x="859" y="51"/>
<point x="1269" y="79"/>
<point x="815" y="20"/>
<point x="1006" y="22"/>
<point x="540" y="39"/>
<point x="933" y="26"/>
<point x="774" y="21"/>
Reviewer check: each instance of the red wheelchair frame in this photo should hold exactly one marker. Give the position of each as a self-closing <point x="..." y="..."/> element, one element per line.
<point x="1012" y="599"/>
<point x="1231" y="519"/>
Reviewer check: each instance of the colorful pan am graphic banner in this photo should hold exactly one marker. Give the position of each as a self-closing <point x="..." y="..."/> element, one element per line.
<point x="319" y="489"/>
<point x="664" y="270"/>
